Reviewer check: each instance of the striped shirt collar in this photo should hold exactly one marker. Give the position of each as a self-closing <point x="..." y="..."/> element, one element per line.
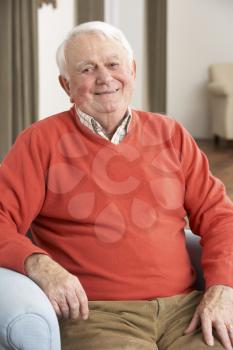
<point x="97" y="128"/>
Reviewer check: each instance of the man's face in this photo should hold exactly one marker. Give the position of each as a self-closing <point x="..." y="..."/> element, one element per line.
<point x="101" y="78"/>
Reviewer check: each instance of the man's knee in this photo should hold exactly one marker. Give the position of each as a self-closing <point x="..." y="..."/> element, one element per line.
<point x="193" y="342"/>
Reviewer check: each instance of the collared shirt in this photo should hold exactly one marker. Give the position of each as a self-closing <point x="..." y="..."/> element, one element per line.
<point x="97" y="128"/>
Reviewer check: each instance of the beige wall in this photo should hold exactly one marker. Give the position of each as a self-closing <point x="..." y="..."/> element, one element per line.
<point x="199" y="33"/>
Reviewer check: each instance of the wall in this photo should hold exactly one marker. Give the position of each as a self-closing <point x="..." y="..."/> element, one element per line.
<point x="199" y="33"/>
<point x="53" y="25"/>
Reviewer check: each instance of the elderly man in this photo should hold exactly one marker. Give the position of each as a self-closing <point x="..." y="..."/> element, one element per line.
<point x="105" y="190"/>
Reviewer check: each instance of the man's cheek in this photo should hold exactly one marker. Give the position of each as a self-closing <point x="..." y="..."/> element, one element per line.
<point x="127" y="80"/>
<point x="83" y="90"/>
<point x="81" y="94"/>
<point x="126" y="77"/>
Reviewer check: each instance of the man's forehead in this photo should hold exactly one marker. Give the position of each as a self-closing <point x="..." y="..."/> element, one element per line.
<point x="91" y="60"/>
<point x="86" y="49"/>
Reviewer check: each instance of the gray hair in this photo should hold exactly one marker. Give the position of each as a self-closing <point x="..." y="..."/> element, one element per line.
<point x="91" y="27"/>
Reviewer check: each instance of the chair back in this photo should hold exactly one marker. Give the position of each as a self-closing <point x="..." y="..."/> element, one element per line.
<point x="222" y="72"/>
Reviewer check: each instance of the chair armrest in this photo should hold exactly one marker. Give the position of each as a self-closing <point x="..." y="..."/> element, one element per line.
<point x="220" y="89"/>
<point x="194" y="250"/>
<point x="27" y="318"/>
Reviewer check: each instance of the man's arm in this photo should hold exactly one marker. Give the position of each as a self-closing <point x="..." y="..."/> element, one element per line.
<point x="211" y="216"/>
<point x="22" y="188"/>
<point x="63" y="289"/>
<point x="209" y="209"/>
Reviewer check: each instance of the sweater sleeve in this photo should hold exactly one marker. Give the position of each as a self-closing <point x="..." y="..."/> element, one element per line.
<point x="210" y="212"/>
<point x="22" y="192"/>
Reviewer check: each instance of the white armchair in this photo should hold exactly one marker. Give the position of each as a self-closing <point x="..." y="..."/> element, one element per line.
<point x="220" y="90"/>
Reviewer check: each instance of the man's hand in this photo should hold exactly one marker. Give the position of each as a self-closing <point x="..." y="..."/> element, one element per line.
<point x="215" y="311"/>
<point x="62" y="288"/>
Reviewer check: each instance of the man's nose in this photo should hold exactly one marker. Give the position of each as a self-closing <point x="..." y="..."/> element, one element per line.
<point x="103" y="76"/>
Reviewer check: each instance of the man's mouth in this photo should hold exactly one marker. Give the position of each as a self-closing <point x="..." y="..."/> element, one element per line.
<point x="107" y="92"/>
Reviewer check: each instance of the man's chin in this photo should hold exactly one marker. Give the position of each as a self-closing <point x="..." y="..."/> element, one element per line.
<point x="101" y="109"/>
<point x="107" y="110"/>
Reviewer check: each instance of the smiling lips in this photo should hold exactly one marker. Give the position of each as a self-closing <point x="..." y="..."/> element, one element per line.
<point x="106" y="92"/>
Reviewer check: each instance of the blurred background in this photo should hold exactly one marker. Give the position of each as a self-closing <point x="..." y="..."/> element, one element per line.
<point x="175" y="43"/>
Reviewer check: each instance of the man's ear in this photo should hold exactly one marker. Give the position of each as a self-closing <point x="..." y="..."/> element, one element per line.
<point x="65" y="85"/>
<point x="134" y="69"/>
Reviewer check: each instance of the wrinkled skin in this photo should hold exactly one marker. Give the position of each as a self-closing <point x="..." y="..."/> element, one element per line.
<point x="63" y="289"/>
<point x="215" y="311"/>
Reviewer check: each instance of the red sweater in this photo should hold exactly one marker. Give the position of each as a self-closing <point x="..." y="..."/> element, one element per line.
<point x="113" y="215"/>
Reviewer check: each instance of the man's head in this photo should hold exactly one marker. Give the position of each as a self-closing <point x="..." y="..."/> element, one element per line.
<point x="97" y="68"/>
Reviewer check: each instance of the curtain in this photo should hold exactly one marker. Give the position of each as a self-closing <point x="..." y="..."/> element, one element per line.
<point x="89" y="10"/>
<point x="156" y="19"/>
<point x="18" y="69"/>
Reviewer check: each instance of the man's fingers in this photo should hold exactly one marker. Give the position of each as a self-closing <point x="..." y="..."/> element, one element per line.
<point x="230" y="332"/>
<point x="64" y="290"/>
<point x="74" y="305"/>
<point x="222" y="334"/>
<point x="206" y="325"/>
<point x="56" y="308"/>
<point x="193" y="324"/>
<point x="64" y="307"/>
<point x="76" y="302"/>
<point x="83" y="301"/>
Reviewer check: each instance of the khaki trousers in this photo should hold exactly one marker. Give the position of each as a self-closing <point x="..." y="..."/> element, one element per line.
<point x="136" y="325"/>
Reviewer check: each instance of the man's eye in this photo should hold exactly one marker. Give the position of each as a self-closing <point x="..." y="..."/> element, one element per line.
<point x="87" y="70"/>
<point x="114" y="64"/>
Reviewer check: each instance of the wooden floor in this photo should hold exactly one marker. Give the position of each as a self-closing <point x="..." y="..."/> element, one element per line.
<point x="221" y="161"/>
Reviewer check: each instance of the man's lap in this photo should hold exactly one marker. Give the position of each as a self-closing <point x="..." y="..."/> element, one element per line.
<point x="131" y="325"/>
<point x="111" y="325"/>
